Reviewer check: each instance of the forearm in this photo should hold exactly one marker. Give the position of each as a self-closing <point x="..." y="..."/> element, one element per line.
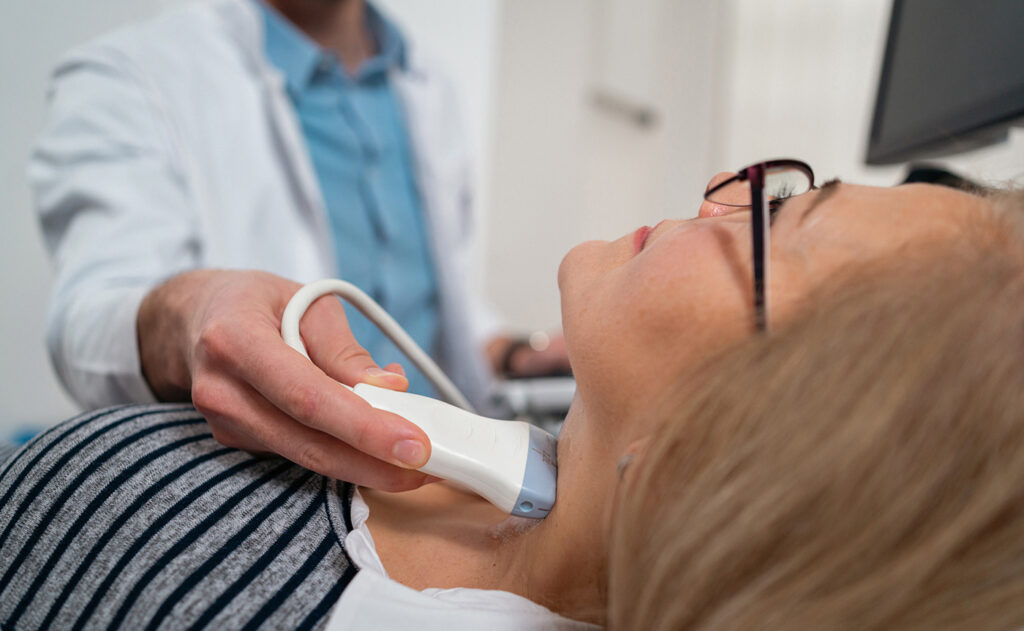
<point x="117" y="216"/>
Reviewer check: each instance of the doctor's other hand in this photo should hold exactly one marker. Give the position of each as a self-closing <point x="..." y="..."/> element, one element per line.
<point x="213" y="337"/>
<point x="540" y="355"/>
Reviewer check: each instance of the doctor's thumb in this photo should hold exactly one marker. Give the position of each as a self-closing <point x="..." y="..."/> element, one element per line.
<point x="332" y="347"/>
<point x="357" y="366"/>
<point x="391" y="376"/>
<point x="354" y="364"/>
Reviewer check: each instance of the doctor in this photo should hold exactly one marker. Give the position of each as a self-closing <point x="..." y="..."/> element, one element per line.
<point x="196" y="168"/>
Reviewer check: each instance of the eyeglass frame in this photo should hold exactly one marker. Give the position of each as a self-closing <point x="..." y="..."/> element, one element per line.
<point x="760" y="223"/>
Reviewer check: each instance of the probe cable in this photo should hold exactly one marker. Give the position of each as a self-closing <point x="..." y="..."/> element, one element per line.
<point x="308" y="294"/>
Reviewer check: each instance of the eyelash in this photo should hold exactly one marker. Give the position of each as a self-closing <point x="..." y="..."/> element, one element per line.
<point x="780" y="198"/>
<point x="777" y="202"/>
<point x="784" y="194"/>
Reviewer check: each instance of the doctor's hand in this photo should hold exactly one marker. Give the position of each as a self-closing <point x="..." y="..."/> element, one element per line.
<point x="542" y="355"/>
<point x="214" y="337"/>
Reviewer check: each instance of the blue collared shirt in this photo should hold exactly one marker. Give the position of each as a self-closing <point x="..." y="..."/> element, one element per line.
<point x="360" y="149"/>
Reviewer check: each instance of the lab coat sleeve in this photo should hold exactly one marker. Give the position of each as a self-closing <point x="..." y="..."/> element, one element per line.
<point x="486" y="323"/>
<point x="116" y="216"/>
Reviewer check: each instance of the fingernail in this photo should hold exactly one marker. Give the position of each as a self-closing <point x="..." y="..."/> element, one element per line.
<point x="410" y="452"/>
<point x="379" y="372"/>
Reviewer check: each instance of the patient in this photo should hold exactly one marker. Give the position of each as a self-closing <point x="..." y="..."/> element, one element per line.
<point x="135" y="517"/>
<point x="861" y="469"/>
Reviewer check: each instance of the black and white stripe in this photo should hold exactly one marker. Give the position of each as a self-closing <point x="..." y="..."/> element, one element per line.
<point x="6" y="452"/>
<point x="135" y="518"/>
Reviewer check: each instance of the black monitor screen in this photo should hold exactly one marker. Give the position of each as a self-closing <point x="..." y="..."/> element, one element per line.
<point x="952" y="69"/>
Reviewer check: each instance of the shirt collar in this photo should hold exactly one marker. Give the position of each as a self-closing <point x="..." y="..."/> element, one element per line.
<point x="298" y="57"/>
<point x="390" y="44"/>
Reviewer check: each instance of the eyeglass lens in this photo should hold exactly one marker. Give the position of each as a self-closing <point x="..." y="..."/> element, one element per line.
<point x="779" y="183"/>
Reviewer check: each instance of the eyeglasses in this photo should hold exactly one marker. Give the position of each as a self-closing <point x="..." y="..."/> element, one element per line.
<point x="762" y="187"/>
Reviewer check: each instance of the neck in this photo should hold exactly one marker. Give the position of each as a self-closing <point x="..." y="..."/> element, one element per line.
<point x="336" y="25"/>
<point x="437" y="536"/>
<point x="567" y="551"/>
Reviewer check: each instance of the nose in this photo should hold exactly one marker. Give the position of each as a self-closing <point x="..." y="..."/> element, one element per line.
<point x="710" y="209"/>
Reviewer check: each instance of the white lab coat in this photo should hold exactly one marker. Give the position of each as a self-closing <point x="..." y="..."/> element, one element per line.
<point x="172" y="145"/>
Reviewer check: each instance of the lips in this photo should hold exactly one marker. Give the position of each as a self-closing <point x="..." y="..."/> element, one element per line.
<point x="640" y="238"/>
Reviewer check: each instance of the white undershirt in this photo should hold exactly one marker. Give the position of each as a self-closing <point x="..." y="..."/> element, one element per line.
<point x="372" y="601"/>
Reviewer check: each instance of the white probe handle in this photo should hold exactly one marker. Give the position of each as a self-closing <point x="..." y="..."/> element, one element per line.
<point x="486" y="455"/>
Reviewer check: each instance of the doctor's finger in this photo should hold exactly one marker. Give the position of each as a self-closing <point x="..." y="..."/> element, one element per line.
<point x="243" y="419"/>
<point x="332" y="347"/>
<point x="305" y="393"/>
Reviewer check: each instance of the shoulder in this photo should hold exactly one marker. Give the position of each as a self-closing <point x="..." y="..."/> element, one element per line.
<point x="61" y="450"/>
<point x="172" y="44"/>
<point x="135" y="513"/>
<point x="86" y="460"/>
<point x="156" y="79"/>
<point x="138" y="452"/>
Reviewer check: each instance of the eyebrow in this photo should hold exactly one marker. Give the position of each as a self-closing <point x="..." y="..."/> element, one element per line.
<point x="824" y="192"/>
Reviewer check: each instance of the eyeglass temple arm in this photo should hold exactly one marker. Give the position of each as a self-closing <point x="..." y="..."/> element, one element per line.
<point x="760" y="237"/>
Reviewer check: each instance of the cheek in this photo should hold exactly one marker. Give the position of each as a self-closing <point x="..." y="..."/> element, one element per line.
<point x="698" y="288"/>
<point x="693" y="318"/>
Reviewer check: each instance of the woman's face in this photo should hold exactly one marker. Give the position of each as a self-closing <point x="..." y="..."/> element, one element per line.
<point x="638" y="310"/>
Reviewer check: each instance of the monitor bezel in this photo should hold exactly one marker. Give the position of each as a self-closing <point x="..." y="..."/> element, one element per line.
<point x="964" y="130"/>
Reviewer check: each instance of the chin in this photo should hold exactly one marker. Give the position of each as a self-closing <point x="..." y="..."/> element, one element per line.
<point x="564" y="270"/>
<point x="583" y="258"/>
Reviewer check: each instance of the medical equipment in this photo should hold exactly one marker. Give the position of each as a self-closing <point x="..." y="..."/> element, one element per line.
<point x="952" y="79"/>
<point x="543" y="401"/>
<point x="511" y="464"/>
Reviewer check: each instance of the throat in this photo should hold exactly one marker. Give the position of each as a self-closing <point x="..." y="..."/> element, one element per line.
<point x="442" y="537"/>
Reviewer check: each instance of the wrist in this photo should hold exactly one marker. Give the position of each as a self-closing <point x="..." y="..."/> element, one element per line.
<point x="511" y="359"/>
<point x="161" y="332"/>
<point x="515" y="356"/>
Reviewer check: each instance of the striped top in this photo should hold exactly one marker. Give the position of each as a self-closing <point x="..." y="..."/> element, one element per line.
<point x="136" y="518"/>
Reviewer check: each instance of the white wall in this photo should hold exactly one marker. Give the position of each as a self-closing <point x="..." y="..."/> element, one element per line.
<point x="566" y="170"/>
<point x="800" y="81"/>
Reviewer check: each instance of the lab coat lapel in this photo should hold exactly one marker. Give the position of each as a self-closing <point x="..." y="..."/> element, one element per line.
<point x="439" y="160"/>
<point x="242" y="22"/>
<point x="442" y="175"/>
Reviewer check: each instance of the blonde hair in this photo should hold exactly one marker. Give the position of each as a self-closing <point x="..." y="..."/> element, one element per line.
<point x="861" y="469"/>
